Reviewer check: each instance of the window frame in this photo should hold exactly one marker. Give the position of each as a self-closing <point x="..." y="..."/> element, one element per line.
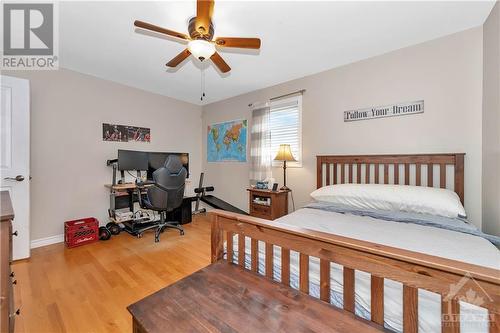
<point x="277" y="103"/>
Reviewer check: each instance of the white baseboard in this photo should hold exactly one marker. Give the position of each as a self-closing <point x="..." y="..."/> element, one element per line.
<point x="47" y="241"/>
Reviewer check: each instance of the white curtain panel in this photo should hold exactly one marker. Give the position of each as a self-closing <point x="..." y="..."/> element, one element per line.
<point x="260" y="145"/>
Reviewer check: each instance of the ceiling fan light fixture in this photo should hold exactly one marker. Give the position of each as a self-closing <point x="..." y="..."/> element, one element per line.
<point x="201" y="49"/>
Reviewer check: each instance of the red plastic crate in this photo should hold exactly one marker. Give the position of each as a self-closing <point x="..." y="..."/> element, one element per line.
<point x="80" y="232"/>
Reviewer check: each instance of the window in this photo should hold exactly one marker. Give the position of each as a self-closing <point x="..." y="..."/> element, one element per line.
<point x="286" y="127"/>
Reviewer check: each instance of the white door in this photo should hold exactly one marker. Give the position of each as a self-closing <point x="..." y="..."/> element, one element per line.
<point x="15" y="157"/>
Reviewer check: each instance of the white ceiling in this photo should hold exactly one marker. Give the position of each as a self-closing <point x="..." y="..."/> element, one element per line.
<point x="298" y="39"/>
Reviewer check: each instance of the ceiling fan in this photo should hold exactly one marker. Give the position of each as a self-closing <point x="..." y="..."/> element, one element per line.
<point x="202" y="44"/>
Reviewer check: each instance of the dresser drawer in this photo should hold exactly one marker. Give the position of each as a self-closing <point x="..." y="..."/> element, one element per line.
<point x="260" y="210"/>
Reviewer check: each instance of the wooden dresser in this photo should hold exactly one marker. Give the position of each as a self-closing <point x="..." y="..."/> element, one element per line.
<point x="267" y="204"/>
<point x="7" y="280"/>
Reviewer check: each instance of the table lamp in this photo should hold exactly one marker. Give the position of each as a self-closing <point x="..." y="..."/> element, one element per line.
<point x="284" y="154"/>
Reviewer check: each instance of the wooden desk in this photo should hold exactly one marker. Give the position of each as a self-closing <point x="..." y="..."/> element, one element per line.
<point x="125" y="195"/>
<point x="124" y="187"/>
<point x="224" y="298"/>
<point x="128" y="186"/>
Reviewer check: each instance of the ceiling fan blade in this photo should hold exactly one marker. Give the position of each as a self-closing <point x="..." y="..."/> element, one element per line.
<point x="155" y="28"/>
<point x="204" y="11"/>
<point x="220" y="63"/>
<point x="179" y="58"/>
<point x="244" y="43"/>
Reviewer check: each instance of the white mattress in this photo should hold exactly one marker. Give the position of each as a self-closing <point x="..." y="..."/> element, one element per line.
<point x="423" y="239"/>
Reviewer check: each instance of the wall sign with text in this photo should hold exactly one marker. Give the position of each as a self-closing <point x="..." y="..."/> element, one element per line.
<point x="393" y="110"/>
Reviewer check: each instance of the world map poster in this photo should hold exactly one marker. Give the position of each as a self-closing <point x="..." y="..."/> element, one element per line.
<point x="227" y="141"/>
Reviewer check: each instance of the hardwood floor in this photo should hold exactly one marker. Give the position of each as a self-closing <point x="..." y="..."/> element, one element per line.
<point x="87" y="289"/>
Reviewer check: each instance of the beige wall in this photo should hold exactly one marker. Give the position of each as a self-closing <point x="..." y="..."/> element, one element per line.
<point x="446" y="73"/>
<point x="68" y="156"/>
<point x="491" y="122"/>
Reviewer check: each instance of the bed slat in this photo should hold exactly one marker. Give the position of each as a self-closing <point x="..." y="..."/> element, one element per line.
<point x="335" y="173"/>
<point x="377" y="174"/>
<point x="450" y="316"/>
<point x="269" y="260"/>
<point x="430" y="175"/>
<point x="342" y="173"/>
<point x="350" y="173"/>
<point x="410" y="309"/>
<point x="229" y="245"/>
<point x="386" y="173"/>
<point x="217" y="240"/>
<point x="304" y="273"/>
<point x="349" y="299"/>
<point x="396" y="173"/>
<point x="407" y="174"/>
<point x="367" y="173"/>
<point x="494" y="322"/>
<point x="255" y="255"/>
<point x="418" y="175"/>
<point x="358" y="173"/>
<point x="285" y="266"/>
<point x="324" y="280"/>
<point x="241" y="250"/>
<point x="319" y="173"/>
<point x="328" y="173"/>
<point x="442" y="175"/>
<point x="377" y="300"/>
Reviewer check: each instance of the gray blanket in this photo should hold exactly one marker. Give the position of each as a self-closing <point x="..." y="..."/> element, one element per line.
<point x="453" y="224"/>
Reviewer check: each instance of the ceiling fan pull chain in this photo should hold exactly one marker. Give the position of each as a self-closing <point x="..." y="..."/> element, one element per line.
<point x="202" y="84"/>
<point x="203" y="78"/>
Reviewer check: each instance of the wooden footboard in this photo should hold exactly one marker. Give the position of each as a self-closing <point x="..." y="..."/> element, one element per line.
<point x="453" y="280"/>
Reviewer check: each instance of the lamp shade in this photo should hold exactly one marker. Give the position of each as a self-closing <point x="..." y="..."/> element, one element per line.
<point x="201" y="49"/>
<point x="285" y="154"/>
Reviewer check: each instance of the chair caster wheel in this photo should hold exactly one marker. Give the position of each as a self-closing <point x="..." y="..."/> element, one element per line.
<point x="139" y="235"/>
<point x="182" y="233"/>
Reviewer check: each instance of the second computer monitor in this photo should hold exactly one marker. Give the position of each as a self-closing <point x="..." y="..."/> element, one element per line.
<point x="132" y="160"/>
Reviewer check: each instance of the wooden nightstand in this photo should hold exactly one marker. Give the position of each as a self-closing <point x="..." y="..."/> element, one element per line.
<point x="273" y="204"/>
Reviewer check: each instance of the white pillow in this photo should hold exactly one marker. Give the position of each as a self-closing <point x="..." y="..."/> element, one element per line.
<point x="405" y="198"/>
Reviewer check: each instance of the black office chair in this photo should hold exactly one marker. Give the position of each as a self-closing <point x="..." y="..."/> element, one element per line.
<point x="165" y="194"/>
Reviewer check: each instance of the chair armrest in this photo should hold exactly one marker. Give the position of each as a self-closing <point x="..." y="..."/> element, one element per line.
<point x="141" y="185"/>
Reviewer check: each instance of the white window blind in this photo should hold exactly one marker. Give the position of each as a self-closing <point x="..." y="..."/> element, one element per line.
<point x="286" y="128"/>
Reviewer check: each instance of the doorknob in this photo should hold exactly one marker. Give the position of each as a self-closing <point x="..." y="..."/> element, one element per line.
<point x="18" y="178"/>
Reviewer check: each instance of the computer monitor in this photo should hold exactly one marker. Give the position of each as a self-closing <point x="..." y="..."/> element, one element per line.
<point x="157" y="160"/>
<point x="132" y="160"/>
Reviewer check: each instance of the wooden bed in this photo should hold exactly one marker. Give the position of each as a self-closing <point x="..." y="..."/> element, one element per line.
<point x="414" y="270"/>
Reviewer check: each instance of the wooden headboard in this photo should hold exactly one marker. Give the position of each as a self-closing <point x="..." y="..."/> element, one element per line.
<point x="408" y="169"/>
